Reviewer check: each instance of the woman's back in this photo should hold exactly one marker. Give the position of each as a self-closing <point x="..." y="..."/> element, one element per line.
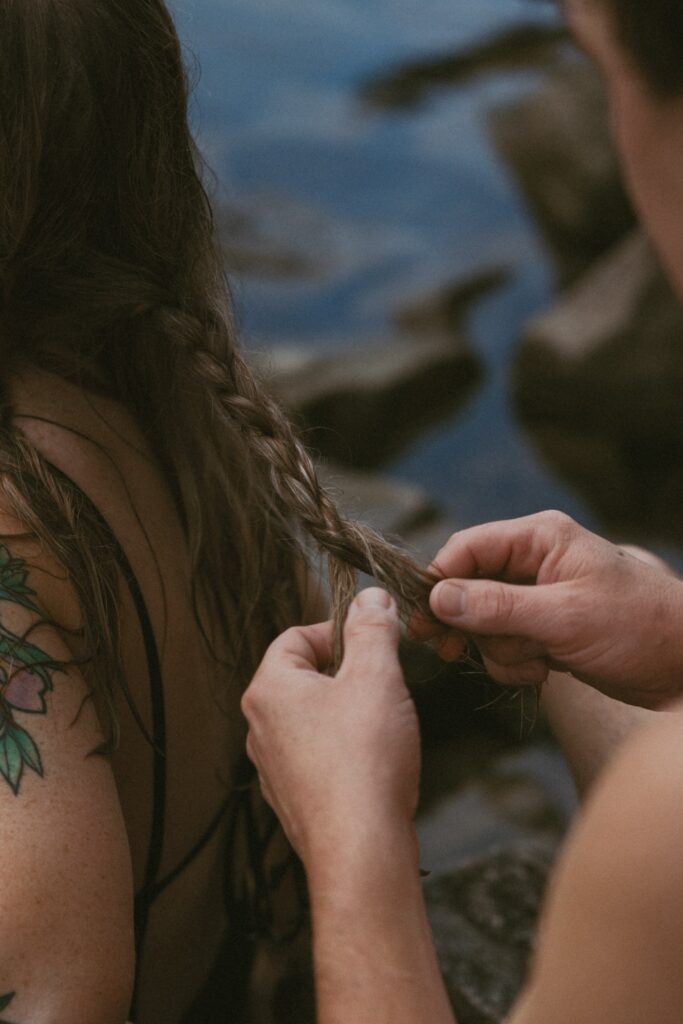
<point x="96" y="444"/>
<point x="111" y="274"/>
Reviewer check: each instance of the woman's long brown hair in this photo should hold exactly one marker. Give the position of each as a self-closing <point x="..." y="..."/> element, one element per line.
<point x="111" y="275"/>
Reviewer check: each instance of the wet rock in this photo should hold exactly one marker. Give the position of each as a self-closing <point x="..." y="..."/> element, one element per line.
<point x="260" y="243"/>
<point x="517" y="48"/>
<point x="446" y="309"/>
<point x="597" y="384"/>
<point x="484" y="917"/>
<point x="360" y="404"/>
<point x="556" y="142"/>
<point x="496" y="790"/>
<point x="604" y="304"/>
<point x="392" y="507"/>
<point x="426" y="539"/>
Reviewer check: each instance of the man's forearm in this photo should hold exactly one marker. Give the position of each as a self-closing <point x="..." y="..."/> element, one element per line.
<point x="589" y="726"/>
<point x="374" y="957"/>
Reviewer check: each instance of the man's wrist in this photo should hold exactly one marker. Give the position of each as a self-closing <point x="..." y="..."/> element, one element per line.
<point x="361" y="848"/>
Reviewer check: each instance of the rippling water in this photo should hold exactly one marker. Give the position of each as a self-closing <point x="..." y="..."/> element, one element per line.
<point x="377" y="207"/>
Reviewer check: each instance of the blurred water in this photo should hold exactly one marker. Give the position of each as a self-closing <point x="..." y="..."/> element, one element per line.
<point x="385" y="206"/>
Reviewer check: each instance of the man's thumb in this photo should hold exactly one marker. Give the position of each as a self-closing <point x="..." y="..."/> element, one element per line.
<point x="371" y="633"/>
<point x="490" y="608"/>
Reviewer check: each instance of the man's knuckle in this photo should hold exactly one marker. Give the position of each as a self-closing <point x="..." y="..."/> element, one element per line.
<point x="249" y="702"/>
<point x="289" y="637"/>
<point x="443" y="556"/>
<point x="256" y="697"/>
<point x="453" y="539"/>
<point x="500" y="605"/>
<point x="559" y="520"/>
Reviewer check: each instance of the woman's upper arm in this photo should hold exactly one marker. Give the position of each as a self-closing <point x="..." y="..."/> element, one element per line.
<point x="66" y="945"/>
<point x="610" y="945"/>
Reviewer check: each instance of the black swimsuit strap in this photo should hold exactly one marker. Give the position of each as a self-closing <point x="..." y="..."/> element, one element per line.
<point x="144" y="898"/>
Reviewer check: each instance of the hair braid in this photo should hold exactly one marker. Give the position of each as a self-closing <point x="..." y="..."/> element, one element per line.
<point x="272" y="438"/>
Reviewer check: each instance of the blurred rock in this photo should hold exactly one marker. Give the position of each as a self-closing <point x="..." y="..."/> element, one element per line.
<point x="426" y="539"/>
<point x="556" y="141"/>
<point x="360" y="404"/>
<point x="445" y="310"/>
<point x="392" y="507"/>
<point x="597" y="384"/>
<point x="512" y="790"/>
<point x="603" y="305"/>
<point x="259" y="242"/>
<point x="489" y="844"/>
<point x="484" y="917"/>
<point x="517" y="48"/>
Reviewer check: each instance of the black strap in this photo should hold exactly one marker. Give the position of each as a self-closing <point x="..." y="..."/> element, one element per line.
<point x="145" y="897"/>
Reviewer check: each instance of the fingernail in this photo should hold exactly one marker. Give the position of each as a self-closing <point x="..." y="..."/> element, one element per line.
<point x="450" y="599"/>
<point x="373" y="597"/>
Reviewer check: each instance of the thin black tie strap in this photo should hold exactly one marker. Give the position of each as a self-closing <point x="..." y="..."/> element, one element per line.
<point x="143" y="899"/>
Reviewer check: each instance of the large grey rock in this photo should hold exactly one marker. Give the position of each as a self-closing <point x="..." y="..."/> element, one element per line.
<point x="598" y="383"/>
<point x="426" y="539"/>
<point x="484" y="915"/>
<point x="361" y="403"/>
<point x="444" y="311"/>
<point x="267" y="242"/>
<point x="556" y="142"/>
<point x="392" y="507"/>
<point x="604" y="305"/>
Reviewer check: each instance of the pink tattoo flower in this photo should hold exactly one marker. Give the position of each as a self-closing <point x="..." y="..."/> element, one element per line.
<point x="21" y="689"/>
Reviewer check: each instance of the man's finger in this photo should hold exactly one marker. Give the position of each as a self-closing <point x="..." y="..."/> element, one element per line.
<point x="450" y="646"/>
<point x="422" y="628"/>
<point x="371" y="636"/>
<point x="304" y="647"/>
<point x="492" y="609"/>
<point x="529" y="673"/>
<point x="509" y="650"/>
<point x="512" y="550"/>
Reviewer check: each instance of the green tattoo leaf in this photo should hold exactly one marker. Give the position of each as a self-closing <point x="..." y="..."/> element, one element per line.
<point x="17" y="749"/>
<point x="13" y="575"/>
<point x="30" y="754"/>
<point x="26" y="676"/>
<point x="11" y="761"/>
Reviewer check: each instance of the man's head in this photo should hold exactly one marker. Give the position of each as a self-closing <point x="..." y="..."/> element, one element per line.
<point x="638" y="46"/>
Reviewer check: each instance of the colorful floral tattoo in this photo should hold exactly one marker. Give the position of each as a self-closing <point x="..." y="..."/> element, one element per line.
<point x="25" y="678"/>
<point x="4" y="1003"/>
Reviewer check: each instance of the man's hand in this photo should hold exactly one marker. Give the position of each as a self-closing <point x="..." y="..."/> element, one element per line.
<point x="542" y="592"/>
<point x="333" y="753"/>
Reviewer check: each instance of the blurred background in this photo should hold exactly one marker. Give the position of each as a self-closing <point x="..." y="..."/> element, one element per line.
<point x="403" y="189"/>
<point x="434" y="261"/>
